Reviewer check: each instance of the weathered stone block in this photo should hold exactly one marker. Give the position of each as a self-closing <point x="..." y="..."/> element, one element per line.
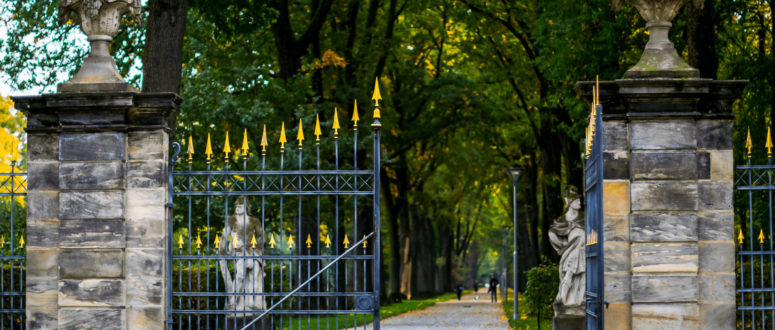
<point x="41" y="310"/>
<point x="42" y="205"/>
<point x="148" y="145"/>
<point x="716" y="195"/>
<point x="92" y="233"/>
<point x="43" y="175"/>
<point x="664" y="288"/>
<point x="617" y="256"/>
<point x="616" y="165"/>
<point x="43" y="233"/>
<point x="663" y="134"/>
<point x="714" y="134"/>
<point x="617" y="228"/>
<point x="146" y="174"/>
<point x="664" y="165"/>
<point x="35" y="284"/>
<point x="42" y="147"/>
<point x="91" y="293"/>
<point x="617" y="287"/>
<point x="664" y="258"/>
<point x="703" y="165"/>
<point x="145" y="280"/>
<point x="92" y="146"/>
<point x="146" y="203"/>
<point x="716" y="225"/>
<point x="722" y="165"/>
<point x="617" y="316"/>
<point x="143" y="232"/>
<point x="663" y="196"/>
<point x="717" y="257"/>
<point x="717" y="316"/>
<point x="717" y="287"/>
<point x="91" y="318"/>
<point x="617" y="198"/>
<point x="664" y="226"/>
<point x="665" y="316"/>
<point x="91" y="205"/>
<point x="615" y="135"/>
<point x="42" y="262"/>
<point x="90" y="263"/>
<point x="151" y="318"/>
<point x="91" y="175"/>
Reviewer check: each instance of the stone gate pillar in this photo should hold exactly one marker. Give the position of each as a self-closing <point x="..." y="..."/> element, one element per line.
<point x="96" y="219"/>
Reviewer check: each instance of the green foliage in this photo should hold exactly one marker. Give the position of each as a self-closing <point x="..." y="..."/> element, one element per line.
<point x="525" y="320"/>
<point x="542" y="284"/>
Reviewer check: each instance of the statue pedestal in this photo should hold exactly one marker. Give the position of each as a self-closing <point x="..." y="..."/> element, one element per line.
<point x="568" y="317"/>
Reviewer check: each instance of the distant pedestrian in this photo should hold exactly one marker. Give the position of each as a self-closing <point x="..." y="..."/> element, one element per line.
<point x="459" y="290"/>
<point x="476" y="286"/>
<point x="493" y="288"/>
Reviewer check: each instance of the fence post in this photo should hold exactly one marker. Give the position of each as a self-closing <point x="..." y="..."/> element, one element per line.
<point x="96" y="212"/>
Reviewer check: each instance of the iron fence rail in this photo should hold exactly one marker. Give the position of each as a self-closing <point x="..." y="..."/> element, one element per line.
<point x="13" y="193"/>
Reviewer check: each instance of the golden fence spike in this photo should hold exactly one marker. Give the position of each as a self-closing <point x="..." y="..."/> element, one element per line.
<point x="216" y="242"/>
<point x="253" y="241"/>
<point x="290" y="242"/>
<point x="376" y="97"/>
<point x="740" y="236"/>
<point x="264" y="141"/>
<point x="226" y="146"/>
<point x="209" y="148"/>
<point x="761" y="236"/>
<point x="336" y="121"/>
<point x="245" y="146"/>
<point x="309" y="241"/>
<point x="328" y="242"/>
<point x="234" y="241"/>
<point x="190" y="150"/>
<point x="317" y="128"/>
<point x="346" y="241"/>
<point x="769" y="145"/>
<point x="180" y="241"/>
<point x="2" y="242"/>
<point x="21" y="242"/>
<point x="355" y="118"/>
<point x="283" y="140"/>
<point x="300" y="135"/>
<point x="597" y="88"/>
<point x="364" y="241"/>
<point x="271" y="241"/>
<point x="748" y="143"/>
<point x="198" y="242"/>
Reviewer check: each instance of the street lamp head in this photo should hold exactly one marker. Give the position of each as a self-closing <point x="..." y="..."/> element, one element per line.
<point x="515" y="173"/>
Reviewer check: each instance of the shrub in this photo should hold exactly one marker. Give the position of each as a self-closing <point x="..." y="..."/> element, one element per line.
<point x="542" y="284"/>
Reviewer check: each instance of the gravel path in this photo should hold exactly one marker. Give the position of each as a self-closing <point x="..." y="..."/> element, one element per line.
<point x="464" y="314"/>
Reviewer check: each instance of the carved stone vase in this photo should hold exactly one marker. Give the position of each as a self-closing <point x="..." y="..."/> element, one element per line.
<point x="99" y="20"/>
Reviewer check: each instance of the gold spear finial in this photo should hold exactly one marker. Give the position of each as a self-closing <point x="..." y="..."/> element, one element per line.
<point x="346" y="241"/>
<point x="2" y="242"/>
<point x="180" y="241"/>
<point x="300" y="135"/>
<point x="226" y="146"/>
<point x="290" y="242"/>
<point x="597" y="89"/>
<point x="245" y="147"/>
<point x="190" y="150"/>
<point x="355" y="118"/>
<point x="376" y="97"/>
<point x="283" y="140"/>
<point x="748" y="143"/>
<point x="740" y="236"/>
<point x="309" y="241"/>
<point x="253" y="241"/>
<point x="364" y="241"/>
<point x="208" y="148"/>
<point x="328" y="242"/>
<point x="769" y="145"/>
<point x="21" y="242"/>
<point x="263" y="141"/>
<point x="198" y="242"/>
<point x="761" y="236"/>
<point x="317" y="128"/>
<point x="271" y="241"/>
<point x="234" y="241"/>
<point x="216" y="242"/>
<point x="336" y="121"/>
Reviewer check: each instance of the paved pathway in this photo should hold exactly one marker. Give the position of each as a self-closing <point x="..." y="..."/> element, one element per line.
<point x="464" y="314"/>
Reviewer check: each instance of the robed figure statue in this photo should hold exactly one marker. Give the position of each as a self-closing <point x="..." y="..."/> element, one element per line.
<point x="247" y="275"/>
<point x="567" y="235"/>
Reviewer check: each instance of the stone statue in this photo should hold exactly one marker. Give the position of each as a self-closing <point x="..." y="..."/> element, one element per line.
<point x="248" y="273"/>
<point x="99" y="20"/>
<point x="567" y="235"/>
<point x="660" y="59"/>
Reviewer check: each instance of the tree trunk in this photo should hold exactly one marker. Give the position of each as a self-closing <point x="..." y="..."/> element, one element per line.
<point x="163" y="58"/>
<point x="701" y="38"/>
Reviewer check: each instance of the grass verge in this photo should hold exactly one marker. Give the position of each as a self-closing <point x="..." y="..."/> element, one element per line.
<point x="525" y="321"/>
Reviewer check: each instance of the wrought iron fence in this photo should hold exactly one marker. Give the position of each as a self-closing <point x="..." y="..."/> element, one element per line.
<point x="13" y="193"/>
<point x="755" y="292"/>
<point x="270" y="245"/>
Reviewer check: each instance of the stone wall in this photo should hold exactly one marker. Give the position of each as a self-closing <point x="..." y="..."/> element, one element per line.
<point x="97" y="218"/>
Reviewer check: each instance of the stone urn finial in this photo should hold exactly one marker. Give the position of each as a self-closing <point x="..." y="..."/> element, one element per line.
<point x="99" y="20"/>
<point x="660" y="59"/>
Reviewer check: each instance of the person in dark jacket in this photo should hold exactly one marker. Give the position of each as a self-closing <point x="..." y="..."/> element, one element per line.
<point x="493" y="288"/>
<point x="459" y="291"/>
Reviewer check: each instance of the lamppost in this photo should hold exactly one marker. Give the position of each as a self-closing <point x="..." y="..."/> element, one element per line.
<point x="515" y="173"/>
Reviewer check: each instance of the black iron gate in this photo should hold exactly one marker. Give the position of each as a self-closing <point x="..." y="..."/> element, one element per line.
<point x="755" y="294"/>
<point x="13" y="193"/>
<point x="273" y="246"/>
<point x="593" y="196"/>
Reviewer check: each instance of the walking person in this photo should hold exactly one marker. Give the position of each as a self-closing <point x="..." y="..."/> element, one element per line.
<point x="459" y="291"/>
<point x="493" y="288"/>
